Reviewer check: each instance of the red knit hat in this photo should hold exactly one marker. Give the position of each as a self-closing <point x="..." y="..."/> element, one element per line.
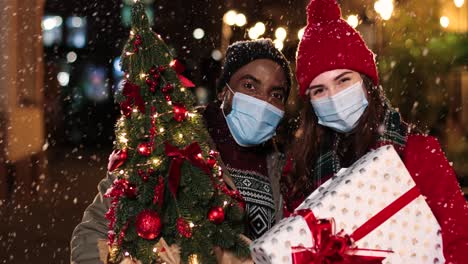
<point x="329" y="43"/>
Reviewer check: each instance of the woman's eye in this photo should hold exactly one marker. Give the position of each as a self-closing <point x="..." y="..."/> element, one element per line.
<point x="317" y="91"/>
<point x="344" y="80"/>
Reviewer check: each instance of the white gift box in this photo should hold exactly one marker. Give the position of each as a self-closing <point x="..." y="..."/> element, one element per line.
<point x="351" y="198"/>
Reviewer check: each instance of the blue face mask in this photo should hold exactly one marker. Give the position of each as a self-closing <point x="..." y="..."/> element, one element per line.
<point x="251" y="121"/>
<point x="342" y="111"/>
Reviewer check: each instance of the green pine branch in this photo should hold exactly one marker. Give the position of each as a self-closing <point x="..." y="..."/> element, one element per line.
<point x="196" y="194"/>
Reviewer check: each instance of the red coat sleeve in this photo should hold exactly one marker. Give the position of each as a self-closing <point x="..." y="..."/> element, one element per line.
<point x="437" y="181"/>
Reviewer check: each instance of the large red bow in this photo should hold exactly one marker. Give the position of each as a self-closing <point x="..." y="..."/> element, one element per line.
<point x="179" y="69"/>
<point x="191" y="153"/>
<point x="330" y="247"/>
<point x="132" y="92"/>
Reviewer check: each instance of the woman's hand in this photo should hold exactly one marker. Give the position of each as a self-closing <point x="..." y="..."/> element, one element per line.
<point x="168" y="254"/>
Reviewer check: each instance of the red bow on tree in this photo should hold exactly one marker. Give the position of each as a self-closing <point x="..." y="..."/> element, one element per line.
<point x="330" y="247"/>
<point x="179" y="69"/>
<point x="191" y="153"/>
<point x="132" y="92"/>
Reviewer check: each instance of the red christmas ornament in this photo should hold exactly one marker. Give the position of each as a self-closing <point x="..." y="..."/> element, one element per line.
<point x="161" y="68"/>
<point x="149" y="82"/>
<point x="167" y="97"/>
<point x="216" y="215"/>
<point x="153" y="87"/>
<point x="153" y="70"/>
<point x="137" y="43"/>
<point x="214" y="153"/>
<point x="211" y="161"/>
<point x="184" y="227"/>
<point x="167" y="88"/>
<point x="148" y="224"/>
<point x="116" y="159"/>
<point x="144" y="149"/>
<point x="143" y="175"/>
<point x="180" y="112"/>
<point x="131" y="191"/>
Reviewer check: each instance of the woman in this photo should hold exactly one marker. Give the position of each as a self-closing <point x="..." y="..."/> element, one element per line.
<point x="348" y="115"/>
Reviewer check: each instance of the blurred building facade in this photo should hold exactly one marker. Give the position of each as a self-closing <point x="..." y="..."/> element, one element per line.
<point x="22" y="131"/>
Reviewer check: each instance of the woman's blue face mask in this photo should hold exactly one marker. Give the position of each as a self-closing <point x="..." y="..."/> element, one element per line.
<point x="342" y="111"/>
<point x="251" y="121"/>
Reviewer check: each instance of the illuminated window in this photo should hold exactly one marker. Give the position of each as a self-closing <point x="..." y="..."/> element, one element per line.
<point x="76" y="32"/>
<point x="52" y="28"/>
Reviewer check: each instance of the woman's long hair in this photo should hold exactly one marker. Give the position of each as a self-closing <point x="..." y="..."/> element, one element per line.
<point x="311" y="137"/>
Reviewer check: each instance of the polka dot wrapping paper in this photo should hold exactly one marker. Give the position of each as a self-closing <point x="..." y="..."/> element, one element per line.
<point x="351" y="198"/>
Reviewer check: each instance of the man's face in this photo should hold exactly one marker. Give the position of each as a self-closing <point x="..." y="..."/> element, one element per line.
<point x="263" y="79"/>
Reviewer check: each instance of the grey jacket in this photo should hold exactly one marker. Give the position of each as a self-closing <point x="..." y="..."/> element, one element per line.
<point x="93" y="227"/>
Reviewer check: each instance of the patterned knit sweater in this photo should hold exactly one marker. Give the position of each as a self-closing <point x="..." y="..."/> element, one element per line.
<point x="248" y="168"/>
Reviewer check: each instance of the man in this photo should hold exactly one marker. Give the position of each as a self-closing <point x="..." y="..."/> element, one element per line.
<point x="252" y="94"/>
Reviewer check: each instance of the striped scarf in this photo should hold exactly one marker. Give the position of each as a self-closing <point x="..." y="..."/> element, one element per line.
<point x="395" y="132"/>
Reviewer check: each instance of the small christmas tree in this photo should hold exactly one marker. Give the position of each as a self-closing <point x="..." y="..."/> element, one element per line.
<point x="169" y="183"/>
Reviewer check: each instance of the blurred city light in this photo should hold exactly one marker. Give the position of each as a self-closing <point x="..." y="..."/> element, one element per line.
<point x="230" y="17"/>
<point x="353" y="21"/>
<point x="51" y="22"/>
<point x="300" y="33"/>
<point x="459" y="3"/>
<point x="260" y="28"/>
<point x="253" y="34"/>
<point x="71" y="57"/>
<point x="198" y="33"/>
<point x="241" y="20"/>
<point x="278" y="44"/>
<point x="384" y="8"/>
<point x="281" y="33"/>
<point x="63" y="78"/>
<point x="216" y="55"/>
<point x="444" y="21"/>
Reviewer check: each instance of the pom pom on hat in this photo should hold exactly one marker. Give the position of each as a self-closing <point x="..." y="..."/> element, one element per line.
<point x="322" y="10"/>
<point x="330" y="43"/>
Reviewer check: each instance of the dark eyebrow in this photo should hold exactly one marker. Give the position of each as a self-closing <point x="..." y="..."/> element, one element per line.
<point x="341" y="75"/>
<point x="336" y="78"/>
<point x="250" y="77"/>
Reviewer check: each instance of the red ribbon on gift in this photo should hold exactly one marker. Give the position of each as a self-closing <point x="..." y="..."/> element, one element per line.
<point x="179" y="69"/>
<point x="331" y="247"/>
<point x="191" y="153"/>
<point x="132" y="92"/>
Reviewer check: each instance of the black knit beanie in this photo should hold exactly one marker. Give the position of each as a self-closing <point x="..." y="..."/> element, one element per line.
<point x="241" y="53"/>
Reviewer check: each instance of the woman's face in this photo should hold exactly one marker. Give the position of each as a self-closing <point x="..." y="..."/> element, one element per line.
<point x="332" y="82"/>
